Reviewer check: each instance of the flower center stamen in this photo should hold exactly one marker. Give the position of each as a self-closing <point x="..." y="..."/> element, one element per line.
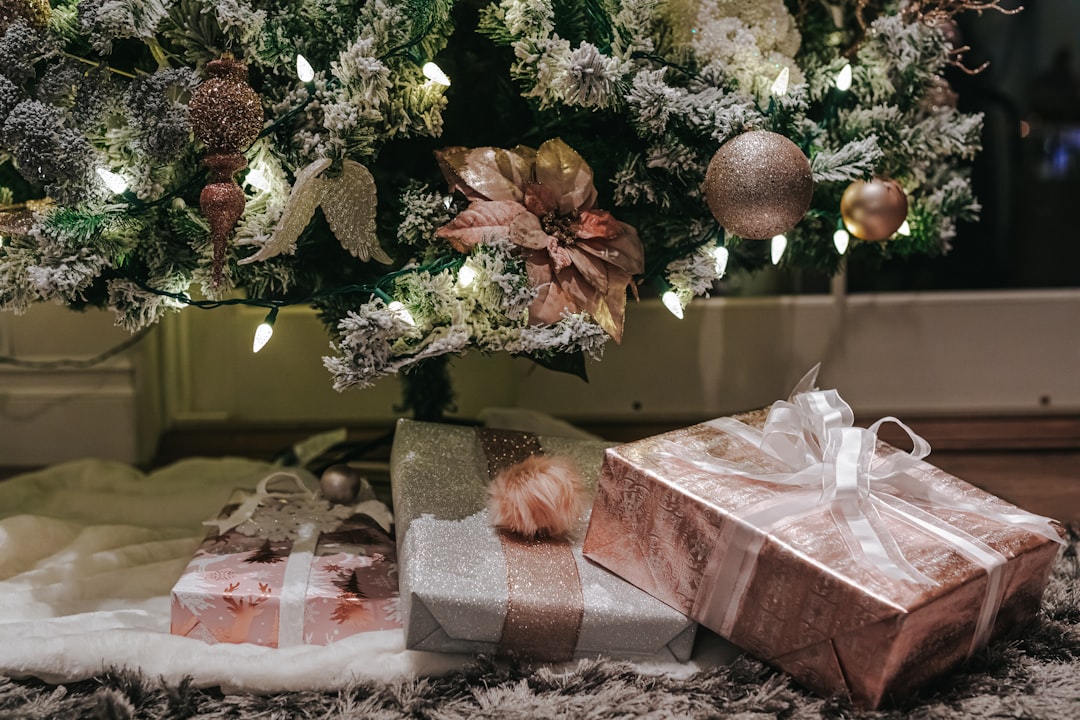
<point x="560" y="227"/>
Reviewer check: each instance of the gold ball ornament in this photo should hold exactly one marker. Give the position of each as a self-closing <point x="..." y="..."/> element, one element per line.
<point x="873" y="210"/>
<point x="758" y="185"/>
<point x="35" y="12"/>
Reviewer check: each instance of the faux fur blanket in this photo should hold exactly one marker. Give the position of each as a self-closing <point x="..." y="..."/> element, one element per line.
<point x="88" y="552"/>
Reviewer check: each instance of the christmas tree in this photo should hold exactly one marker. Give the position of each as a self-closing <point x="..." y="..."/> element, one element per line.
<point x="435" y="177"/>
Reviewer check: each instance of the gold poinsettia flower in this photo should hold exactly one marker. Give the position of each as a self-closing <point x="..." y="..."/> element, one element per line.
<point x="580" y="259"/>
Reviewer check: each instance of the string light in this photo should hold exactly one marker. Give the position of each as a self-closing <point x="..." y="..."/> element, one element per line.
<point x="257" y="179"/>
<point x="779" y="86"/>
<point x="401" y="312"/>
<point x="435" y="74"/>
<point x="465" y="276"/>
<point x="304" y="71"/>
<point x="779" y="244"/>
<point x="265" y="331"/>
<point x="673" y="303"/>
<point x="904" y="229"/>
<point x="843" y="78"/>
<point x="720" y="256"/>
<point x="841" y="239"/>
<point x="116" y="183"/>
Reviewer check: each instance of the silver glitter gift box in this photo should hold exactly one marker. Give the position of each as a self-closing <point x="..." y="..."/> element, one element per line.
<point x="467" y="587"/>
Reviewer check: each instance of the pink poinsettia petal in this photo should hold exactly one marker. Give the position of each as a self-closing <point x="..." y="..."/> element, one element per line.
<point x="558" y="293"/>
<point x="597" y="224"/>
<point x="525" y="231"/>
<point x="541" y="199"/>
<point x="591" y="267"/>
<point x="624" y="250"/>
<point x="487" y="173"/>
<point x="561" y="257"/>
<point x="482" y="220"/>
<point x="612" y="316"/>
<point x="559" y="167"/>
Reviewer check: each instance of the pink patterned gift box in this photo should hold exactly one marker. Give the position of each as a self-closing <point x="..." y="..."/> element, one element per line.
<point x="295" y="570"/>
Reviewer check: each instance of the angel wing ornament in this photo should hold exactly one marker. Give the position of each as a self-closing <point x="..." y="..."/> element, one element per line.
<point x="348" y="201"/>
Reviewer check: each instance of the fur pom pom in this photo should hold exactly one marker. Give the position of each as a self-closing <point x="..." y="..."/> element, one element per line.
<point x="539" y="496"/>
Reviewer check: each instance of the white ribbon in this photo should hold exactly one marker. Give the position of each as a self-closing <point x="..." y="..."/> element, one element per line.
<point x="251" y="503"/>
<point x="294" y="583"/>
<point x="294" y="586"/>
<point x="829" y="463"/>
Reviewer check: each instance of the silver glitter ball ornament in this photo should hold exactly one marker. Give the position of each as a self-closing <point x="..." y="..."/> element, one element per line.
<point x="340" y="484"/>
<point x="758" y="185"/>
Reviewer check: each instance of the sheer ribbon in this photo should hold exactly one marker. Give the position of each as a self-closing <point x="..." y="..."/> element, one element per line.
<point x="305" y="538"/>
<point x="827" y="462"/>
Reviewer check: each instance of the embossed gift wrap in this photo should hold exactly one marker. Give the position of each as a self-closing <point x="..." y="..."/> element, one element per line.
<point x="467" y="587"/>
<point x="286" y="568"/>
<point x="869" y="591"/>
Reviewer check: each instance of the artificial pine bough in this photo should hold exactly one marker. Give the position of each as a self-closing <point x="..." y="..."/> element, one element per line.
<point x="417" y="227"/>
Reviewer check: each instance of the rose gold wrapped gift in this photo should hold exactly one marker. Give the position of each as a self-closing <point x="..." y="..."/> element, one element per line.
<point x="853" y="566"/>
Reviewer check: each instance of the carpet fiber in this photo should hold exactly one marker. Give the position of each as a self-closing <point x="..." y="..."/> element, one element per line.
<point x="1035" y="676"/>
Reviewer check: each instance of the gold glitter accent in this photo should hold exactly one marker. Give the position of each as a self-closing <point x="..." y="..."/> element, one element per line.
<point x="18" y="222"/>
<point x="503" y="448"/>
<point x="226" y="114"/>
<point x="34" y="12"/>
<point x="873" y="210"/>
<point x="545" y="606"/>
<point x="758" y="185"/>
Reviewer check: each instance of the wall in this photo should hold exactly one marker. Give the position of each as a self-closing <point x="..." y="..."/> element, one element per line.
<point x="1000" y="353"/>
<point x="113" y="410"/>
<point x="943" y="353"/>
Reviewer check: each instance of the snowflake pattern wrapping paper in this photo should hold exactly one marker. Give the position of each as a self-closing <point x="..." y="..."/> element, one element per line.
<point x="297" y="571"/>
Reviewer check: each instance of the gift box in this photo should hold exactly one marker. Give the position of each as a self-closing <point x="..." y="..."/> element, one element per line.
<point x="854" y="566"/>
<point x="467" y="587"/>
<point x="284" y="567"/>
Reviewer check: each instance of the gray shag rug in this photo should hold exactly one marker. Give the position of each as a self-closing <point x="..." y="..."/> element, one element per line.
<point x="1036" y="676"/>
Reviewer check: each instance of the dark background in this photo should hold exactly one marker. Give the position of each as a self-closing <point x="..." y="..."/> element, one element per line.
<point x="1027" y="177"/>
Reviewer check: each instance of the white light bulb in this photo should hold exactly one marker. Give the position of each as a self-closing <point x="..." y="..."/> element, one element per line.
<point x="779" y="244"/>
<point x="465" y="276"/>
<point x="843" y="78"/>
<point x="904" y="229"/>
<point x="114" y="182"/>
<point x="671" y="302"/>
<point x="304" y="71"/>
<point x="263" y="333"/>
<point x="402" y="312"/>
<point x="435" y="74"/>
<point x="841" y="239"/>
<point x="257" y="179"/>
<point x="720" y="255"/>
<point x="779" y="86"/>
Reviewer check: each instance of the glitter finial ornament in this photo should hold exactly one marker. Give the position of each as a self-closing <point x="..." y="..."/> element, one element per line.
<point x="226" y="115"/>
<point x="35" y="12"/>
<point x="758" y="185"/>
<point x="541" y="496"/>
